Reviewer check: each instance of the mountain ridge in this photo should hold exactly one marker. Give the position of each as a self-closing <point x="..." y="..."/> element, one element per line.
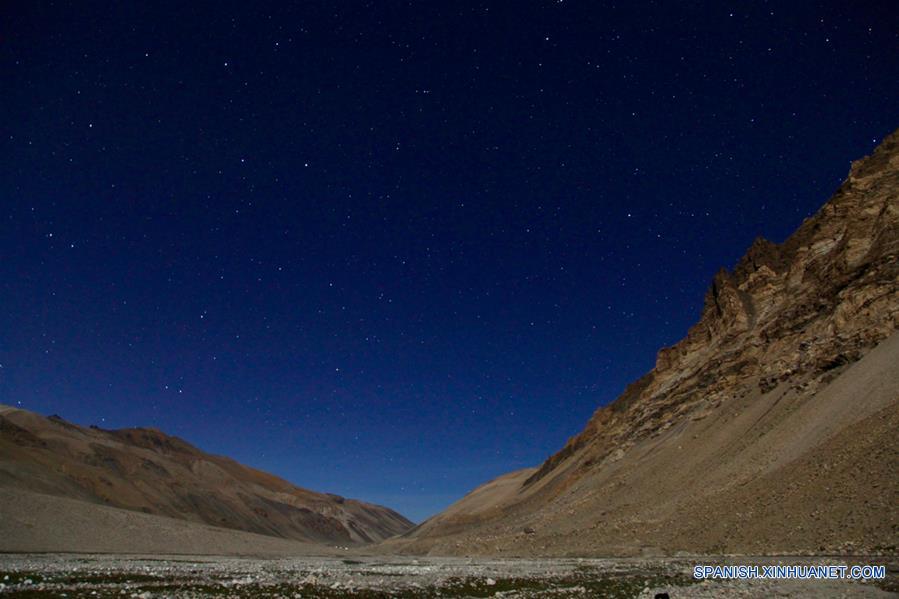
<point x="148" y="471"/>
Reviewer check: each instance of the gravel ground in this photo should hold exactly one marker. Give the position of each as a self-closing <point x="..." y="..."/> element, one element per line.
<point x="382" y="577"/>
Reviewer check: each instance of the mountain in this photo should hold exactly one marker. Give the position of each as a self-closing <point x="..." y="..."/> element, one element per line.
<point x="38" y="523"/>
<point x="771" y="427"/>
<point x="148" y="471"/>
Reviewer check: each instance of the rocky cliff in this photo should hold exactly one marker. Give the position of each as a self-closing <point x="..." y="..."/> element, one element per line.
<point x="779" y="366"/>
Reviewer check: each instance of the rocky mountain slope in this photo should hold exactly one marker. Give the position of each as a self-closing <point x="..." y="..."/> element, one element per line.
<point x="770" y="427"/>
<point x="147" y="471"/>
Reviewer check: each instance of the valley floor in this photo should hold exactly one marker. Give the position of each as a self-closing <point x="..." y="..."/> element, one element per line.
<point x="382" y="577"/>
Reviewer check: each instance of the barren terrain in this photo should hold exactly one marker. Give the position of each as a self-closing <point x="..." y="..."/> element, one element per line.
<point x="383" y="577"/>
<point x="154" y="474"/>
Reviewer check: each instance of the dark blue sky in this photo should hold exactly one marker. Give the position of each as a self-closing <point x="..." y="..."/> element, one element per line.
<point x="391" y="250"/>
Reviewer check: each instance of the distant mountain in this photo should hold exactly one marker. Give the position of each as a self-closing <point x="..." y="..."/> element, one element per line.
<point x="771" y="427"/>
<point x="148" y="471"/>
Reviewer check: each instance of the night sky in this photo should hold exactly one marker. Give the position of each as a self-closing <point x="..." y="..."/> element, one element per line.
<point x="391" y="250"/>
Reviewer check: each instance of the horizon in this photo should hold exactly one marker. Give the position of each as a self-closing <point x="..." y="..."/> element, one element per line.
<point x="392" y="254"/>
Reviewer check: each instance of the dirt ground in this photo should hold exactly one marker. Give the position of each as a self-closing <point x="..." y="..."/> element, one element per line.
<point x="382" y="577"/>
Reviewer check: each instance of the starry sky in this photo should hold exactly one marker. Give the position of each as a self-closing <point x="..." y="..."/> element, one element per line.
<point x="393" y="249"/>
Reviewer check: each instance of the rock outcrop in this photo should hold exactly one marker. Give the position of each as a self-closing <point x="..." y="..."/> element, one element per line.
<point x="776" y="334"/>
<point x="789" y="312"/>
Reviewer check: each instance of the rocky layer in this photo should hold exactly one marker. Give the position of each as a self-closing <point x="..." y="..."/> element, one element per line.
<point x="788" y="312"/>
